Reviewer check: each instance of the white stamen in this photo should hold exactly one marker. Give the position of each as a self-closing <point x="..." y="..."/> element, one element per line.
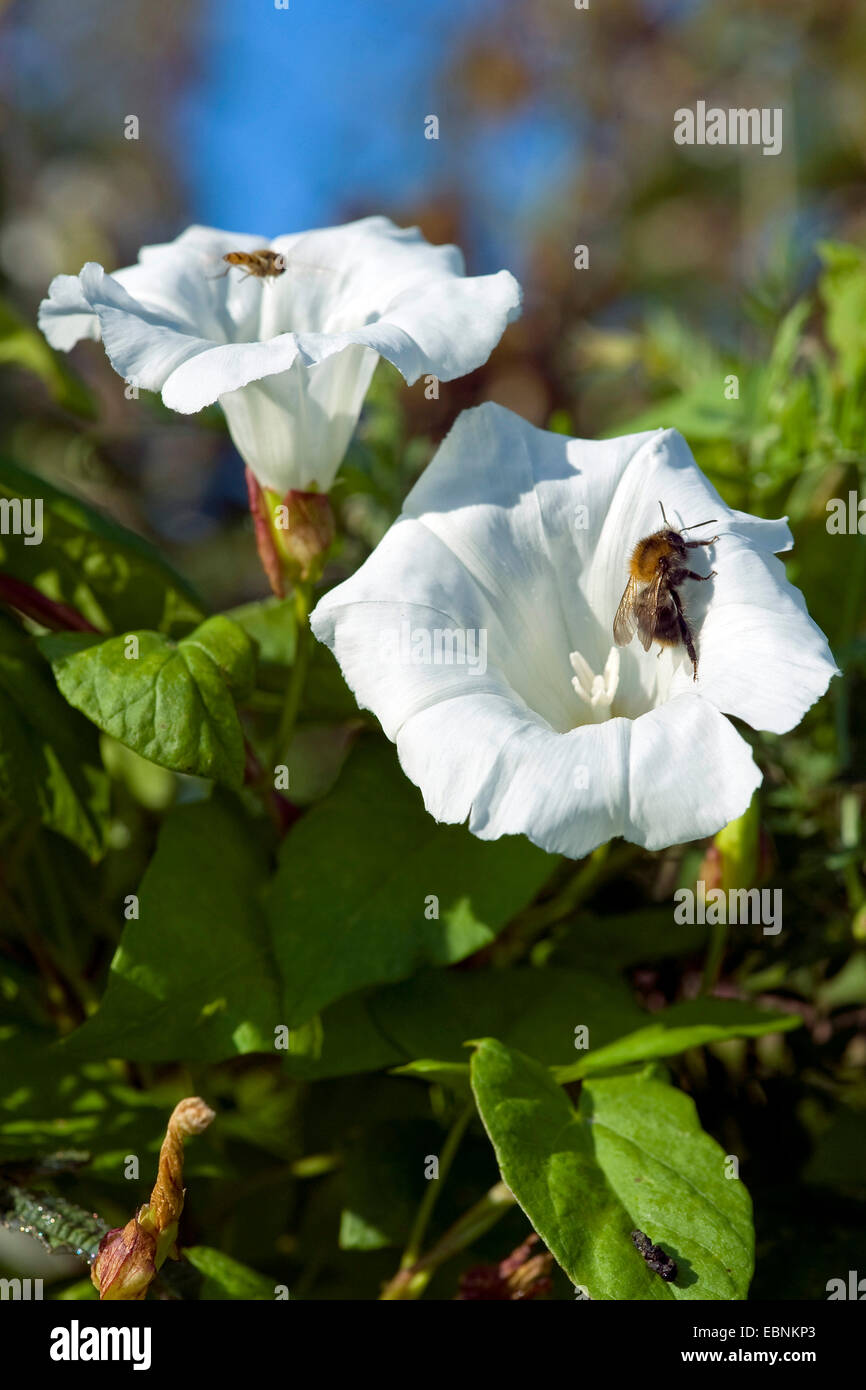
<point x="598" y="692"/>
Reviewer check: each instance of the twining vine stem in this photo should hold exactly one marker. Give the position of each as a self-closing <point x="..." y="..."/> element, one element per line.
<point x="295" y="688"/>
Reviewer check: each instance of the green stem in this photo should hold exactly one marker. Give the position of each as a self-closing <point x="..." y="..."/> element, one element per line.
<point x="477" y="1221"/>
<point x="412" y="1252"/>
<point x="295" y="688"/>
<point x="715" y="955"/>
<point x="603" y="863"/>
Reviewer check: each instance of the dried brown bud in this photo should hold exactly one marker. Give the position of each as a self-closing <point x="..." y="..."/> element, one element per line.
<point x="519" y="1276"/>
<point x="129" y="1257"/>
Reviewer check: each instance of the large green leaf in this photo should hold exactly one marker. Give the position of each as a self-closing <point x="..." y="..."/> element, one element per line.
<point x="49" y="756"/>
<point x="692" y="1024"/>
<point x="173" y="703"/>
<point x="357" y="877"/>
<point x="615" y="941"/>
<point x="193" y="976"/>
<point x="431" y="1016"/>
<point x="344" y="1041"/>
<point x="87" y="1117"/>
<point x="632" y="1156"/>
<point x="112" y="576"/>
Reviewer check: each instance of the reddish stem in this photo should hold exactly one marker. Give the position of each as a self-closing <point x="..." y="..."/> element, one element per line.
<point x="59" y="617"/>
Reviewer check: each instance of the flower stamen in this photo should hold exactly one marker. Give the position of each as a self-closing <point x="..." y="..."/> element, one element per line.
<point x="598" y="692"/>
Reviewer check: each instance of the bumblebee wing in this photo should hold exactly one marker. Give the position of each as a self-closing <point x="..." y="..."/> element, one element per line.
<point x="647" y="610"/>
<point x="625" y="621"/>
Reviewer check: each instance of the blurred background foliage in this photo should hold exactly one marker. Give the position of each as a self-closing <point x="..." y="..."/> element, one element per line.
<point x="705" y="264"/>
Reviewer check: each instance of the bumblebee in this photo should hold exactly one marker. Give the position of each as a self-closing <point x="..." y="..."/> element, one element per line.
<point x="651" y="604"/>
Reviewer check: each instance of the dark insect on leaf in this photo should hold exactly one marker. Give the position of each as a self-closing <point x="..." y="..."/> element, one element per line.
<point x="655" y="1257"/>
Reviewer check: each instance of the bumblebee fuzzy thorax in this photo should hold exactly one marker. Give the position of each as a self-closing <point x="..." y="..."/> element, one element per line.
<point x="662" y="548"/>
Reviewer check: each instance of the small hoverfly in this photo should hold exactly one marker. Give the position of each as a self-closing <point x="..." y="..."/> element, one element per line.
<point x="656" y="1259"/>
<point x="262" y="265"/>
<point x="651" y="605"/>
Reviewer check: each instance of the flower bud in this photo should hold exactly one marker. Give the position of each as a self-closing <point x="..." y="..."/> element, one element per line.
<point x="125" y="1262"/>
<point x="130" y="1256"/>
<point x="739" y="855"/>
<point x="293" y="533"/>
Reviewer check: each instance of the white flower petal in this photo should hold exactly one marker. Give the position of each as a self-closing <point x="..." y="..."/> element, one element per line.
<point x="143" y="345"/>
<point x="413" y="577"/>
<point x="527" y="536"/>
<point x="762" y="658"/>
<point x="66" y="317"/>
<point x="200" y="381"/>
<point x="305" y="341"/>
<point x="675" y="774"/>
<point x="305" y="415"/>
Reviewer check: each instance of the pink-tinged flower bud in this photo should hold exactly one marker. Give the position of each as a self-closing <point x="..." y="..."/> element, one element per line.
<point x="293" y="533"/>
<point x="130" y="1256"/>
<point x="125" y="1263"/>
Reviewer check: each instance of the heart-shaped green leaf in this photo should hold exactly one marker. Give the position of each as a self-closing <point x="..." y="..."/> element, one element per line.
<point x="369" y="888"/>
<point x="173" y="703"/>
<point x="632" y="1156"/>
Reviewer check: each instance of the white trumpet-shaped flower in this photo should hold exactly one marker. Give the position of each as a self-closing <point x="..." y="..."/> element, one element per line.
<point x="289" y="358"/>
<point x="515" y="544"/>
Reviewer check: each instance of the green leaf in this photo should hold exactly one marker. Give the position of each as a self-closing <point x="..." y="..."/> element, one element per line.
<point x="344" y="1041"/>
<point x="363" y="871"/>
<point x="452" y="1075"/>
<point x="615" y="941"/>
<point x="692" y="1024"/>
<point x="633" y="1156"/>
<point x="170" y="702"/>
<point x="21" y="346"/>
<point x="423" y="1023"/>
<point x="112" y="576"/>
<point x="46" y="1109"/>
<point x="193" y="976"/>
<point x="49" y="756"/>
<point x="272" y="625"/>
<point x="436" y="1012"/>
<point x="225" y="1278"/>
